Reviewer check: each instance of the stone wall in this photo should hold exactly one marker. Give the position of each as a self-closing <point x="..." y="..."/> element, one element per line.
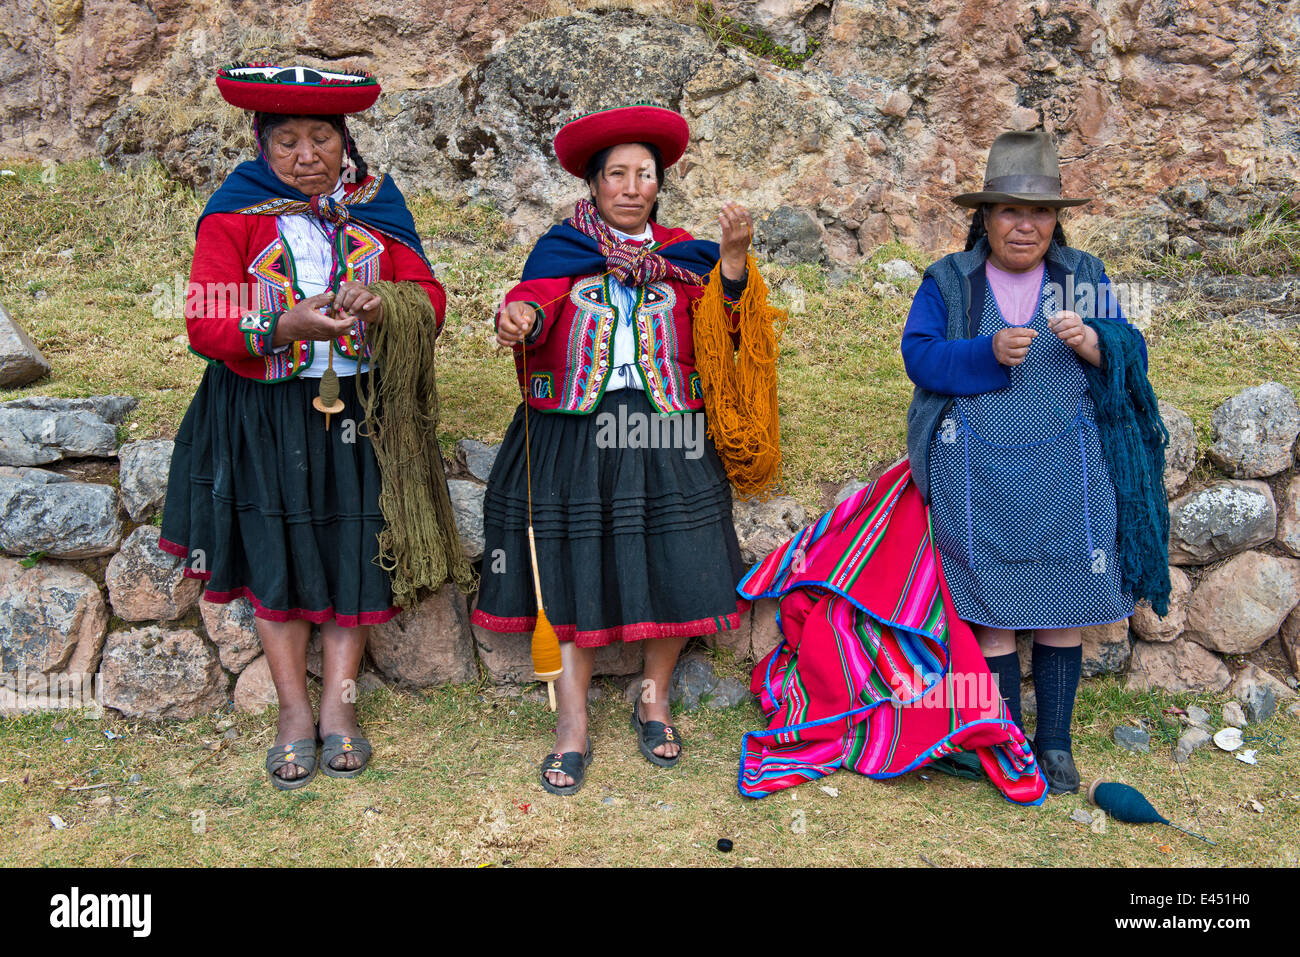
<point x="1177" y="114"/>
<point x="103" y="598"/>
<point x="88" y="600"/>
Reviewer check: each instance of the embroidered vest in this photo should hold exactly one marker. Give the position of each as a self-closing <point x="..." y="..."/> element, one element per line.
<point x="356" y="259"/>
<point x="590" y="346"/>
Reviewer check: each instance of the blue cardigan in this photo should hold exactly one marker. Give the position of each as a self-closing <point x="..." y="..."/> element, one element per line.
<point x="942" y="357"/>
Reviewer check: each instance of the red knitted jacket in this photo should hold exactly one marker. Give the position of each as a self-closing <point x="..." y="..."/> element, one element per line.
<point x="243" y="279"/>
<point x="570" y="360"/>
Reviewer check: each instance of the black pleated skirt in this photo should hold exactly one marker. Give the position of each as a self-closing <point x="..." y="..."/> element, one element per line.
<point x="264" y="503"/>
<point x="634" y="541"/>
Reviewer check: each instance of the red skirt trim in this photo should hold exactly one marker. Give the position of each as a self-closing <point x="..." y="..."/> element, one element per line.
<point x="639" y="631"/>
<point x="276" y="614"/>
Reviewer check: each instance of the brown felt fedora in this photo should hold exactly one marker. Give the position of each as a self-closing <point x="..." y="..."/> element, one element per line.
<point x="1022" y="170"/>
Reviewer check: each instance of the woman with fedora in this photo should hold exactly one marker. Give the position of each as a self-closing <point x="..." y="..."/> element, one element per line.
<point x="634" y="539"/>
<point x="267" y="498"/>
<point x="1026" y="377"/>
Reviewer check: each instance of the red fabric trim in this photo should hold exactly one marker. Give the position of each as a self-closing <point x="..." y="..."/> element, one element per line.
<point x="276" y="614"/>
<point x="640" y="631"/>
<point x="172" y="548"/>
<point x="295" y="614"/>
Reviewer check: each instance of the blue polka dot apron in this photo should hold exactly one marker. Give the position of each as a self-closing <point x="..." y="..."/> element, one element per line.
<point x="1022" y="505"/>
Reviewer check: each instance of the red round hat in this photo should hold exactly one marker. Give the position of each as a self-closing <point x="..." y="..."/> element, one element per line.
<point x="581" y="138"/>
<point x="296" y="90"/>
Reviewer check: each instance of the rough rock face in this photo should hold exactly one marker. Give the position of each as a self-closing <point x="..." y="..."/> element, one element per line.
<point x="1150" y="626"/>
<point x="255" y="691"/>
<point x="33" y="437"/>
<point x="21" y="361"/>
<point x="52" y="620"/>
<point x="1106" y="649"/>
<point x="1255" y="430"/>
<point x="762" y="526"/>
<point x="1288" y="524"/>
<point x="231" y="628"/>
<point x="1180" y="455"/>
<point x="156" y="674"/>
<point x="62" y="519"/>
<point x="467" y="504"/>
<point x="477" y="457"/>
<point x="142" y="475"/>
<point x="1260" y="693"/>
<point x="1289" y="634"/>
<point x="110" y="408"/>
<point x="1178" y="665"/>
<point x="765" y="634"/>
<point x="1221" y="520"/>
<point x="426" y="646"/>
<point x="147" y="584"/>
<point x="1243" y="602"/>
<point x="892" y="114"/>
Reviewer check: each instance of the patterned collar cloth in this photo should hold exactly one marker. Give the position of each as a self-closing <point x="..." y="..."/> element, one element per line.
<point x="253" y="189"/>
<point x="632" y="265"/>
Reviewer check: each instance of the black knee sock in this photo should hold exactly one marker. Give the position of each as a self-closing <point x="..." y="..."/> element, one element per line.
<point x="1056" y="679"/>
<point x="1006" y="668"/>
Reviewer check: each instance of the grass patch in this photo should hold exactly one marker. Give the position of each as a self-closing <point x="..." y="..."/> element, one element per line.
<point x="453" y="782"/>
<point x="724" y="30"/>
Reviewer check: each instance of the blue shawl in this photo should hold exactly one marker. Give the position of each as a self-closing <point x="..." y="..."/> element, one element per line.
<point x="566" y="251"/>
<point x="253" y="183"/>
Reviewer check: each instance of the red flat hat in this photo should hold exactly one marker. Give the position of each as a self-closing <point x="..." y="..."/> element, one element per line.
<point x="296" y="90"/>
<point x="579" y="140"/>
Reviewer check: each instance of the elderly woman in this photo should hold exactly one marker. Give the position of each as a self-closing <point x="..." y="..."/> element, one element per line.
<point x="266" y="500"/>
<point x="1006" y="437"/>
<point x="631" y="509"/>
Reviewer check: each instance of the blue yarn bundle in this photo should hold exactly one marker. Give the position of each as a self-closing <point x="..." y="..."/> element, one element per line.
<point x="1125" y="803"/>
<point x="1128" y="804"/>
<point x="1133" y="439"/>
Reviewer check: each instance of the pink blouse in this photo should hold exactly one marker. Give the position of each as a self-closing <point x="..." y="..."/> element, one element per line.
<point x="1016" y="293"/>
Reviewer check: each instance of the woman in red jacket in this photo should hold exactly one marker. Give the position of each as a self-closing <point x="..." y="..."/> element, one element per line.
<point x="630" y="504"/>
<point x="264" y="500"/>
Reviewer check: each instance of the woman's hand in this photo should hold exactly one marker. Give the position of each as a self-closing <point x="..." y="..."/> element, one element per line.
<point x="354" y="301"/>
<point x="1011" y="345"/>
<point x="1075" y="333"/>
<point x="514" y="322"/>
<point x="736" y="231"/>
<point x="306" y="320"/>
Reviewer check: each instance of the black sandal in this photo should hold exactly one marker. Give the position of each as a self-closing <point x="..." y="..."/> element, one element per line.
<point x="301" y="753"/>
<point x="336" y="745"/>
<point x="571" y="763"/>
<point x="651" y="734"/>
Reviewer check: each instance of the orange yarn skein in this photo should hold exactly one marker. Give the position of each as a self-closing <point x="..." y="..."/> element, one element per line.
<point x="739" y="381"/>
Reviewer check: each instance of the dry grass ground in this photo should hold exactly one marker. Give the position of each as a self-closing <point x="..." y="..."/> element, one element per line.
<point x="81" y="252"/>
<point x="453" y="782"/>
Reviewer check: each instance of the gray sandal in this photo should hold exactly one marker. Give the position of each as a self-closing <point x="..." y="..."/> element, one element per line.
<point x="337" y="744"/>
<point x="301" y="753"/>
